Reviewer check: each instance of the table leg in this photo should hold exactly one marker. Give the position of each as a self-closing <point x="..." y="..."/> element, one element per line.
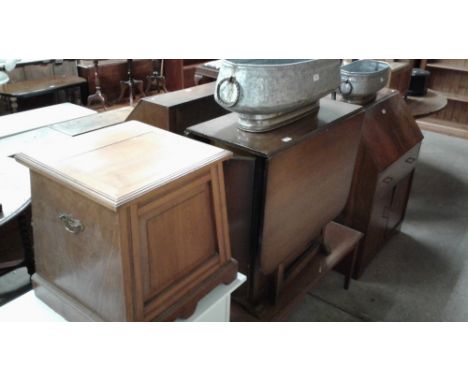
<point x="123" y="87"/>
<point x="13" y="104"/>
<point x="139" y="84"/>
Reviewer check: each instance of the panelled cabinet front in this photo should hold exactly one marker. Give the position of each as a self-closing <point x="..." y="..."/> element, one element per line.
<point x="126" y="237"/>
<point x="177" y="237"/>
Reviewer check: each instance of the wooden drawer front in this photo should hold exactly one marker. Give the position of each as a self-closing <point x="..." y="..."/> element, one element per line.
<point x="177" y="243"/>
<point x="86" y="264"/>
<point x="398" y="170"/>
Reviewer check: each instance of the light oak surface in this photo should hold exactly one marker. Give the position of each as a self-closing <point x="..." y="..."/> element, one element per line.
<point x="94" y="163"/>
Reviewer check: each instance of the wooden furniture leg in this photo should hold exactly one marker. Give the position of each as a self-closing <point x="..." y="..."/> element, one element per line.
<point x="139" y="85"/>
<point x="13" y="101"/>
<point x="157" y="80"/>
<point x="351" y="260"/>
<point x="98" y="96"/>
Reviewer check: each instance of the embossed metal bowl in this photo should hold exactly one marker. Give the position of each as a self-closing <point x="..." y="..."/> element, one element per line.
<point x="267" y="94"/>
<point x="361" y="80"/>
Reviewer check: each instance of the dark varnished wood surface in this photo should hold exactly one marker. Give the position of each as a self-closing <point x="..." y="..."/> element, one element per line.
<point x="40" y="86"/>
<point x="179" y="97"/>
<point x="342" y="242"/>
<point x="382" y="177"/>
<point x="397" y="131"/>
<point x="429" y="104"/>
<point x="307" y="187"/>
<point x="177" y="110"/>
<point x="297" y="186"/>
<point x="225" y="129"/>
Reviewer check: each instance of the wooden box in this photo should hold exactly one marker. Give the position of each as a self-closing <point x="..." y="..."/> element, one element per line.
<point x="129" y="224"/>
<point x="282" y="188"/>
<point x="383" y="175"/>
<point x="177" y="110"/>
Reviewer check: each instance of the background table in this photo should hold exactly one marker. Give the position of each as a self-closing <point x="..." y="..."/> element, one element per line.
<point x="74" y="87"/>
<point x="423" y="106"/>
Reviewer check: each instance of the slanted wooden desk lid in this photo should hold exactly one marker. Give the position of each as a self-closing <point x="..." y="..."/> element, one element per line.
<point x="115" y="165"/>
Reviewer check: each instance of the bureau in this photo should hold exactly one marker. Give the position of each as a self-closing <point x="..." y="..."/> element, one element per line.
<point x="129" y="224"/>
<point x="177" y="110"/>
<point x="383" y="175"/>
<point x="283" y="187"/>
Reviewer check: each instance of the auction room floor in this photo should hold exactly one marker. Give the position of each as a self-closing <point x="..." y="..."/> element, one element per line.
<point x="420" y="275"/>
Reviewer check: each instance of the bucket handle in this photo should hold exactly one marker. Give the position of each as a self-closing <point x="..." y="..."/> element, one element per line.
<point x="346" y="87"/>
<point x="234" y="82"/>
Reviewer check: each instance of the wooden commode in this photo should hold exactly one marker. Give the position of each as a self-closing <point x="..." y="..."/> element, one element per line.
<point x="130" y="224"/>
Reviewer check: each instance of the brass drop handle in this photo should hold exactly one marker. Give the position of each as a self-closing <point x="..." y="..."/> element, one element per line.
<point x="71" y="224"/>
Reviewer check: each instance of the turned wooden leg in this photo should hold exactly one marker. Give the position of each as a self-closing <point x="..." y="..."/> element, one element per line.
<point x="77" y="95"/>
<point x="97" y="97"/>
<point x="123" y="87"/>
<point x="139" y="85"/>
<point x="13" y="104"/>
<point x="149" y="83"/>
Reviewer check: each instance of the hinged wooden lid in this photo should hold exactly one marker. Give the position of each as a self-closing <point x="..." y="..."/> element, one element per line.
<point x="389" y="130"/>
<point x="116" y="165"/>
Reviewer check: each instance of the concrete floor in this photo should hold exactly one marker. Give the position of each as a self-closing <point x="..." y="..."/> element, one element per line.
<point x="420" y="275"/>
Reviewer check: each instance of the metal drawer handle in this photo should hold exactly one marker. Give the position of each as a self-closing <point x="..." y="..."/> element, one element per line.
<point x="71" y="224"/>
<point x="410" y="160"/>
<point x="388" y="180"/>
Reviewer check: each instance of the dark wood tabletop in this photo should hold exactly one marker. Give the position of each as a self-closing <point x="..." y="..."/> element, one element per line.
<point x="426" y="105"/>
<point x="40" y="86"/>
<point x="268" y="143"/>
